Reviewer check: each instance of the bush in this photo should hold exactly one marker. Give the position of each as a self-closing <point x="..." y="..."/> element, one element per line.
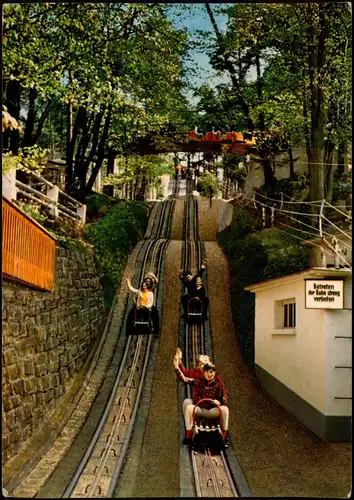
<point x="114" y="237"/>
<point x="342" y="187"/>
<point x="98" y="205"/>
<point x="256" y="255"/>
<point x="208" y="185"/>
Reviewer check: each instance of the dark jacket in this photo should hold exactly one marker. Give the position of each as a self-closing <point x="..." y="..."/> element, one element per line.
<point x="191" y="285"/>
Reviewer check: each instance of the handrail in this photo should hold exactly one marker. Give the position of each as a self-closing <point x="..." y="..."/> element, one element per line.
<point x="34" y="191"/>
<point x="70" y="212"/>
<point x="36" y="176"/>
<point x="13" y="186"/>
<point x="70" y="198"/>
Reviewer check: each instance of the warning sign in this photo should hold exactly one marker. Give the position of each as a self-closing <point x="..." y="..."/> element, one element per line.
<point x="324" y="294"/>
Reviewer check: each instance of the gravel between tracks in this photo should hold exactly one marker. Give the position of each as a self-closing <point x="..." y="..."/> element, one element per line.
<point x="177" y="221"/>
<point x="159" y="462"/>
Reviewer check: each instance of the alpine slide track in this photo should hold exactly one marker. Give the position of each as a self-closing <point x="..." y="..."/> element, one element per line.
<point x="93" y="462"/>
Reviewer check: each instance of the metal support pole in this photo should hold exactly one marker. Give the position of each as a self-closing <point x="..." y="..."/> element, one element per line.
<point x="336" y="252"/>
<point x="263" y="217"/>
<point x="53" y="195"/>
<point x="9" y="189"/>
<point x="320" y="218"/>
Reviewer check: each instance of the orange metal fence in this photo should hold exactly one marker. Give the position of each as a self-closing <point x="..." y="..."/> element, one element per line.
<point x="28" y="253"/>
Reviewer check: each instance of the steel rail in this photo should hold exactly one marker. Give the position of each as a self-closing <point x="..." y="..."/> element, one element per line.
<point x="104" y="457"/>
<point x="194" y="344"/>
<point x="119" y="465"/>
<point x="104" y="419"/>
<point x="229" y="476"/>
<point x="98" y="473"/>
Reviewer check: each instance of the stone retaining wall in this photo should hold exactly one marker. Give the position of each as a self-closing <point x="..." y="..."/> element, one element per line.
<point x="46" y="338"/>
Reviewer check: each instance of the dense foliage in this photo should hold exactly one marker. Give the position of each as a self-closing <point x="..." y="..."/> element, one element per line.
<point x="208" y="185"/>
<point x="114" y="237"/>
<point x="89" y="78"/>
<point x="256" y="255"/>
<point x="301" y="54"/>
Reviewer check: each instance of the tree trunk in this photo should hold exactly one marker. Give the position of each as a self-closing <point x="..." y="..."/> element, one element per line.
<point x="292" y="165"/>
<point x="341" y="158"/>
<point x="269" y="177"/>
<point x="69" y="132"/>
<point x="328" y="161"/>
<point x="329" y="177"/>
<point x="141" y="193"/>
<point x="259" y="91"/>
<point x="79" y="120"/>
<point x="95" y="138"/>
<point x="136" y="184"/>
<point x="31" y="116"/>
<point x="110" y="170"/>
<point x="232" y="71"/>
<point x="101" y="149"/>
<point x="82" y="147"/>
<point x="316" y="61"/>
<point x="40" y="124"/>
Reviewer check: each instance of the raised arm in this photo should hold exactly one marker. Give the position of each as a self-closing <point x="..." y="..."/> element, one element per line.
<point x="179" y="374"/>
<point x="132" y="289"/>
<point x="202" y="268"/>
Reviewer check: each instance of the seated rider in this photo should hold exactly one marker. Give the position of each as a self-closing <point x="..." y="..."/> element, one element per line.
<point x="201" y="294"/>
<point x="197" y="372"/>
<point x="189" y="281"/>
<point x="145" y="299"/>
<point x="206" y="387"/>
<point x="151" y="283"/>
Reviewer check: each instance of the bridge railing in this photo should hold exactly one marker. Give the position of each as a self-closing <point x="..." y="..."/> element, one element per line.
<point x="57" y="201"/>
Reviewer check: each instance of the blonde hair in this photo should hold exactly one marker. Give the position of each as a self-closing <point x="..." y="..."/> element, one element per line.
<point x="203" y="359"/>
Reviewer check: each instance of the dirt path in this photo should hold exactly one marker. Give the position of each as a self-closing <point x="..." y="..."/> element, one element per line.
<point x="207" y="218"/>
<point x="177" y="221"/>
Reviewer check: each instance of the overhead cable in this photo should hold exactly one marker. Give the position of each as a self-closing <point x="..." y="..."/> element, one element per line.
<point x="339" y="229"/>
<point x="340" y="256"/>
<point x="304" y="223"/>
<point x="336" y="208"/>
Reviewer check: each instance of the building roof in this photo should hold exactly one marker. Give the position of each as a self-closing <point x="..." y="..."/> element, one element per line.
<point x="313" y="272"/>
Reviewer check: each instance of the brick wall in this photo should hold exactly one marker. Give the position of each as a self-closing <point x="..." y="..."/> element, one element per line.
<point x="46" y="337"/>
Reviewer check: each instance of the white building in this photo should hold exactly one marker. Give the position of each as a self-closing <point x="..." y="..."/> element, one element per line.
<point x="303" y="345"/>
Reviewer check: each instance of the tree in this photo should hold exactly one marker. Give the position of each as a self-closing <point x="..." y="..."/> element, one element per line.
<point x="137" y="172"/>
<point x="99" y="60"/>
<point x="310" y="44"/>
<point x="208" y="186"/>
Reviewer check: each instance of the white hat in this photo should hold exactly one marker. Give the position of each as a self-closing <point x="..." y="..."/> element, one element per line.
<point x="203" y="358"/>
